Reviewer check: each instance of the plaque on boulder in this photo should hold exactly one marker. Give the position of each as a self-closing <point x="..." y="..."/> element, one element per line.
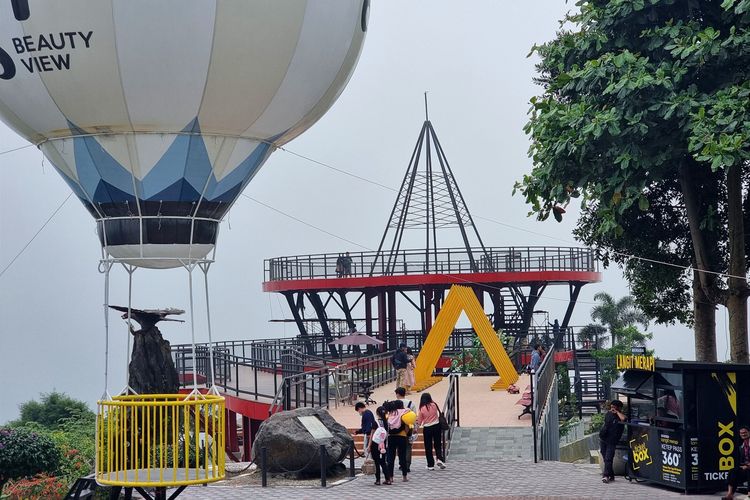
<point x="293" y="440"/>
<point x="315" y="427"/>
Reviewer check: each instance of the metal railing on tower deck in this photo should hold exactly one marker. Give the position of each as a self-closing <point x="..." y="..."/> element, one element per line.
<point x="440" y="261"/>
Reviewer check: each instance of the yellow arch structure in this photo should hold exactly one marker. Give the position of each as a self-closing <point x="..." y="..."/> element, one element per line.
<point x="462" y="298"/>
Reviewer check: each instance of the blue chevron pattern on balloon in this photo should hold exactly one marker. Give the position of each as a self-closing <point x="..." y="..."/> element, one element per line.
<point x="183" y="174"/>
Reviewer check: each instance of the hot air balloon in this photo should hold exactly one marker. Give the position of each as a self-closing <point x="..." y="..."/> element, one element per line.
<point x="157" y="113"/>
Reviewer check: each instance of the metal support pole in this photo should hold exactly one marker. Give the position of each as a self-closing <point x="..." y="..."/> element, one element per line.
<point x="458" y="402"/>
<point x="189" y="268"/>
<point x="263" y="467"/>
<point x="533" y="412"/>
<point x="130" y="270"/>
<point x="204" y="267"/>
<point x="107" y="268"/>
<point x="351" y="460"/>
<point x="323" y="467"/>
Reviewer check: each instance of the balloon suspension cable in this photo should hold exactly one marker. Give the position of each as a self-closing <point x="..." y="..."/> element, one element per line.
<point x="107" y="266"/>
<point x="211" y="366"/>
<point x="129" y="330"/>
<point x="190" y="266"/>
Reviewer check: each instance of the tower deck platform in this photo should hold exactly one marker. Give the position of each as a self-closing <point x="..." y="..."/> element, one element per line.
<point x="414" y="269"/>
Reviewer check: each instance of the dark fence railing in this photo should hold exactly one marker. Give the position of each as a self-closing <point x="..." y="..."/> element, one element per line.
<point x="439" y="261"/>
<point x="545" y="416"/>
<point x="356" y="376"/>
<point x="450" y="412"/>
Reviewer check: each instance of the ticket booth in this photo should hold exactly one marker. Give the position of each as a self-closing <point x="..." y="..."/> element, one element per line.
<point x="683" y="420"/>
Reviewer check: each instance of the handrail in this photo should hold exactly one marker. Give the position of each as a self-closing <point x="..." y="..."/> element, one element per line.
<point x="544" y="409"/>
<point x="376" y="369"/>
<point x="297" y="385"/>
<point x="441" y="261"/>
<point x="450" y="412"/>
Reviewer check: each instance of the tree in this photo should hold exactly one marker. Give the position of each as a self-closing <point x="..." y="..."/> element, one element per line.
<point x="53" y="410"/>
<point x="592" y="336"/>
<point x="642" y="118"/>
<point x="617" y="314"/>
<point x="24" y="453"/>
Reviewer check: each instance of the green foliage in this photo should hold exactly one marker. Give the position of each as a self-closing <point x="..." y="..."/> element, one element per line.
<point x="635" y="95"/>
<point x="76" y="440"/>
<point x="592" y="336"/>
<point x="39" y="487"/>
<point x="25" y="453"/>
<point x="471" y="360"/>
<point x="616" y="314"/>
<point x="596" y="424"/>
<point x="52" y="410"/>
<point x="567" y="401"/>
<point x="70" y="427"/>
<point x="567" y="425"/>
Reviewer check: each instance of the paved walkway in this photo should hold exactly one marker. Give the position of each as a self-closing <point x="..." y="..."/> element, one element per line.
<point x="505" y="479"/>
<point x="491" y="443"/>
<point x="478" y="405"/>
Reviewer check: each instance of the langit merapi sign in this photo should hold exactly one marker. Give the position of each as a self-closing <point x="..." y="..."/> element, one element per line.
<point x="635" y="362"/>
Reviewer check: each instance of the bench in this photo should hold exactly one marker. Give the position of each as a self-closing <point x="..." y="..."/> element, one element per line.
<point x="526" y="402"/>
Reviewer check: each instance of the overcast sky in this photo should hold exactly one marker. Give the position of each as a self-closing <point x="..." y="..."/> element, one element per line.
<point x="471" y="56"/>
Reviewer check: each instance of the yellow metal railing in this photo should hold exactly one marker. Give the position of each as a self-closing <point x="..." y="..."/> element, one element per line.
<point x="160" y="440"/>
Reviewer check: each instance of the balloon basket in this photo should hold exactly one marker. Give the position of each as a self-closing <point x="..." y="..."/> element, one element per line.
<point x="160" y="440"/>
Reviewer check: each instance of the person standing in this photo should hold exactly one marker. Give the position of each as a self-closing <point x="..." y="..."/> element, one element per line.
<point x="410" y="367"/>
<point x="347" y="264"/>
<point x="741" y="472"/>
<point x="609" y="436"/>
<point x="536" y="358"/>
<point x="367" y="424"/>
<point x="408" y="405"/>
<point x="398" y="430"/>
<point x="378" y="440"/>
<point x="399" y="361"/>
<point x="428" y="418"/>
<point x="340" y="266"/>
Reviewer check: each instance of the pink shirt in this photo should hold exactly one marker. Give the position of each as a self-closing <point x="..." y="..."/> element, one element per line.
<point x="428" y="415"/>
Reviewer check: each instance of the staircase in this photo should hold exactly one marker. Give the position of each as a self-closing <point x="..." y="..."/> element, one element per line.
<point x="589" y="388"/>
<point x="417" y="449"/>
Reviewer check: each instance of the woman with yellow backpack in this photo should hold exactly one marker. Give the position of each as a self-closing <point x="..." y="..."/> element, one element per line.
<point x="400" y="426"/>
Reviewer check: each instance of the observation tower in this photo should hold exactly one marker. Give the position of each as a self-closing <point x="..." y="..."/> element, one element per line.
<point x="413" y="267"/>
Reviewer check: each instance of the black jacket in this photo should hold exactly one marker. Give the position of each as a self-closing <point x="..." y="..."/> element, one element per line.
<point x="612" y="429"/>
<point x="400" y="359"/>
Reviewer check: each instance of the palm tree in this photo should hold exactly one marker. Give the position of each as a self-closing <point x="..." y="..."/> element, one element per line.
<point x="617" y="314"/>
<point x="592" y="336"/>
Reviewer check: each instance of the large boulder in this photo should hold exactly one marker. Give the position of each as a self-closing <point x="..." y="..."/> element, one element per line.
<point x="291" y="447"/>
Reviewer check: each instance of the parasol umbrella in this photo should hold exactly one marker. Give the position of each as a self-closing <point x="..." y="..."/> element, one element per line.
<point x="356" y="339"/>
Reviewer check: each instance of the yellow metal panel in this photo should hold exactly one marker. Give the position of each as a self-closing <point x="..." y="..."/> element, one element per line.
<point x="462" y="298"/>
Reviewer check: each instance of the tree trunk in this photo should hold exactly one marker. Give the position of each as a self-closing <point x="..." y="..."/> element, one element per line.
<point x="704" y="284"/>
<point x="704" y="316"/>
<point x="737" y="299"/>
<point x="151" y="369"/>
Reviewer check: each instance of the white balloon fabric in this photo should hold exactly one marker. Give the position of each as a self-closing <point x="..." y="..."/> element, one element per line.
<point x="158" y="113"/>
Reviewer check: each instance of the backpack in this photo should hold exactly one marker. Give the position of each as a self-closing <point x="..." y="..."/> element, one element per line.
<point x="379" y="435"/>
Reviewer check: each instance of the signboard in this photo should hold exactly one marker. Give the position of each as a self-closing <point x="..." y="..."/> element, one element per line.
<point x="315" y="427"/>
<point x="718" y="418"/>
<point x="635" y="362"/>
<point x="638" y="350"/>
<point x="658" y="455"/>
